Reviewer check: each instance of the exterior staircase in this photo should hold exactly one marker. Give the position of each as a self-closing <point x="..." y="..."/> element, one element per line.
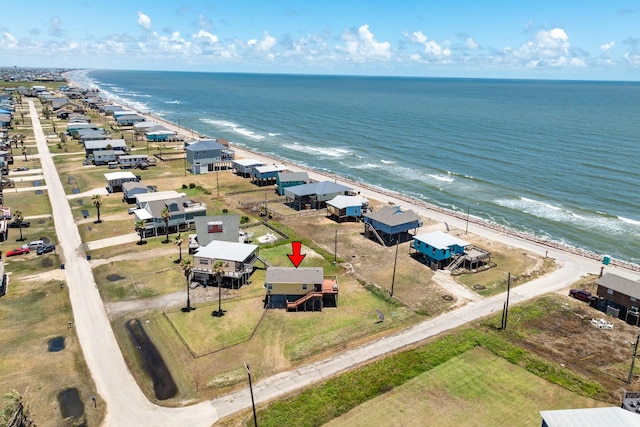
<point x="297" y="303"/>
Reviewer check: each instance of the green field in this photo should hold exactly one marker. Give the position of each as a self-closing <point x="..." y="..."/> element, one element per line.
<point x="476" y="388"/>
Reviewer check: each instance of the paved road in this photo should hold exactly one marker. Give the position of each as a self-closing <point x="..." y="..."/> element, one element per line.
<point x="127" y="406"/>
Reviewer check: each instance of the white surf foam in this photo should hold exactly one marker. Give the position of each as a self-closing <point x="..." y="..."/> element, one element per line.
<point x="319" y="151"/>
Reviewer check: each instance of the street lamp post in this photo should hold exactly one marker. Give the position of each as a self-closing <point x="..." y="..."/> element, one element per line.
<point x="253" y="403"/>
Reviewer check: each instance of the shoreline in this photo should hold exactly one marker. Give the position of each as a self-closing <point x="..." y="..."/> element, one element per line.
<point x="383" y="195"/>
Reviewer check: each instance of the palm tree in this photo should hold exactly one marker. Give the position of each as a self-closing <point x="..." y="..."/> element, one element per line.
<point x="97" y="202"/>
<point x="24" y="151"/>
<point x="165" y="215"/>
<point x="140" y="226"/>
<point x="187" y="267"/>
<point x="218" y="270"/>
<point x="18" y="218"/>
<point x="16" y="413"/>
<point x="178" y="242"/>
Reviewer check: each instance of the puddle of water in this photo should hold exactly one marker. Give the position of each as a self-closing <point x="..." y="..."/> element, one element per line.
<point x="56" y="344"/>
<point x="70" y="403"/>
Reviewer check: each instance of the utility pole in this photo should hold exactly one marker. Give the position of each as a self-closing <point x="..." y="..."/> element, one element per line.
<point x="253" y="404"/>
<point x="466" y="230"/>
<point x="505" y="311"/>
<point x="395" y="261"/>
<point x="633" y="359"/>
<point x="335" y="248"/>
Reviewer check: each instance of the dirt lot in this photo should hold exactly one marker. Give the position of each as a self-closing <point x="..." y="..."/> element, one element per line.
<point x="567" y="337"/>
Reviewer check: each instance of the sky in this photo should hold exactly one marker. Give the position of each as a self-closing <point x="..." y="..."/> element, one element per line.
<point x="560" y="39"/>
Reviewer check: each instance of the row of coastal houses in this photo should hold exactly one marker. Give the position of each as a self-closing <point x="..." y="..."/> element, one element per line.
<point x="220" y="250"/>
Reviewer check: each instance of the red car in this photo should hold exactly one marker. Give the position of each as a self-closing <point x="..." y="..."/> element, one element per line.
<point x="17" y="251"/>
<point x="582" y="295"/>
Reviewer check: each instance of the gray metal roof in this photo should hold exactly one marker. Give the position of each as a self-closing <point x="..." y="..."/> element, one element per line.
<point x="230" y="228"/>
<point x="308" y="275"/>
<point x="322" y="187"/>
<point x="342" y="201"/>
<point x="227" y="251"/>
<point x="130" y="185"/>
<point x="293" y="176"/>
<point x="440" y="240"/>
<point x="392" y="215"/>
<point x="591" y="417"/>
<point x="620" y="284"/>
<point x="102" y="143"/>
<point x="205" y="145"/>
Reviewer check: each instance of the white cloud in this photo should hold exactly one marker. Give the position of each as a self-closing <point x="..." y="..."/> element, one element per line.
<point x="204" y="22"/>
<point x="432" y="49"/>
<point x="144" y="21"/>
<point x="54" y="27"/>
<point x="361" y="45"/>
<point x="471" y="44"/>
<point x="8" y="41"/>
<point x="205" y="36"/>
<point x="263" y="46"/>
<point x="546" y="49"/>
<point x="607" y="46"/>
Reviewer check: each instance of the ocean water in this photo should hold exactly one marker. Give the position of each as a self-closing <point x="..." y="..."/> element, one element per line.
<point x="554" y="159"/>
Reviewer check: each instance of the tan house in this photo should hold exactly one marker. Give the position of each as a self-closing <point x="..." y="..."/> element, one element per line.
<point x="303" y="288"/>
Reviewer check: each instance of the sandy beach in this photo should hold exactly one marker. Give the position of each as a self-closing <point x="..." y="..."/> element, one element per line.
<point x="128" y="406"/>
<point x="448" y="218"/>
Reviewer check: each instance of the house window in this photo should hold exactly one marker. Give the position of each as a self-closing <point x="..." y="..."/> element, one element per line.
<point x="610" y="291"/>
<point x="632" y="299"/>
<point x="204" y="261"/>
<point x="269" y="286"/>
<point x="304" y="286"/>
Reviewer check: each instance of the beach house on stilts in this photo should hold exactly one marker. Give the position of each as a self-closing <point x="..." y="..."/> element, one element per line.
<point x="300" y="289"/>
<point x="390" y="225"/>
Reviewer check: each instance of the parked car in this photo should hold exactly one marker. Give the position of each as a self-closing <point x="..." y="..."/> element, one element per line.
<point x="17" y="251"/>
<point x="33" y="245"/>
<point x="45" y="249"/>
<point x="14" y="224"/>
<point x="582" y="295"/>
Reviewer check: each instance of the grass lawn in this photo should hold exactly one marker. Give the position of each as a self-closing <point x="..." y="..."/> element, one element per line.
<point x="311" y="333"/>
<point x="31" y="314"/>
<point x="476" y="388"/>
<point x="494" y="280"/>
<point x="142" y="278"/>
<point x="205" y="333"/>
<point x="29" y="203"/>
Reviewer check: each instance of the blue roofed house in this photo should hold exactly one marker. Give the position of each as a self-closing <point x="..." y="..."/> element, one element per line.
<point x="444" y="250"/>
<point x="286" y="179"/>
<point x="347" y="207"/>
<point x="390" y="224"/>
<point x="314" y="195"/>
<point x="208" y="155"/>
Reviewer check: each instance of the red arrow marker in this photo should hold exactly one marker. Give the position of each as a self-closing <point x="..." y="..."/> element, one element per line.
<point x="296" y="258"/>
